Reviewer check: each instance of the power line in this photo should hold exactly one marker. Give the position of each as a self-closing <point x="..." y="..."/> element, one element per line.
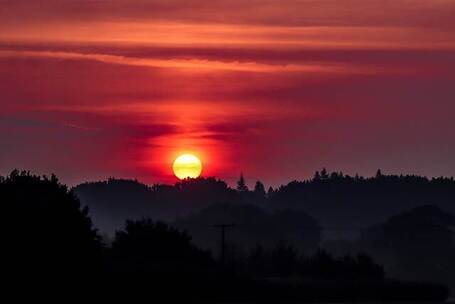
<point x="223" y="228"/>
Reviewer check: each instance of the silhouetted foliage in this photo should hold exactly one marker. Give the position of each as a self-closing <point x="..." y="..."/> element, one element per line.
<point x="47" y="230"/>
<point x="284" y="260"/>
<point x="344" y="205"/>
<point x="337" y="200"/>
<point x="340" y="200"/>
<point x="148" y="246"/>
<point x="241" y="184"/>
<point x="416" y="244"/>
<point x="259" y="190"/>
<point x="324" y="174"/>
<point x="49" y="233"/>
<point x="114" y="201"/>
<point x="253" y="225"/>
<point x="270" y="192"/>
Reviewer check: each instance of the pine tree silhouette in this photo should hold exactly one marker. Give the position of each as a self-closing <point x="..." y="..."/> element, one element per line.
<point x="241" y="184"/>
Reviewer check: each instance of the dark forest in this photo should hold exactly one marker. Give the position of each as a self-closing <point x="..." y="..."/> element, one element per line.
<point x="331" y="238"/>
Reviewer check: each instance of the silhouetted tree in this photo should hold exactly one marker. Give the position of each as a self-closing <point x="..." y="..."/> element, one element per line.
<point x="241" y="184"/>
<point x="257" y="261"/>
<point x="322" y="264"/>
<point x="48" y="230"/>
<point x="284" y="259"/>
<point x="335" y="175"/>
<point x="145" y="246"/>
<point x="324" y="174"/>
<point x="259" y="189"/>
<point x="367" y="268"/>
<point x="270" y="192"/>
<point x="415" y="244"/>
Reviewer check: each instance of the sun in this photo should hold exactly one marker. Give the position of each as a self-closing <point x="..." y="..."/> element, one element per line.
<point x="187" y="166"/>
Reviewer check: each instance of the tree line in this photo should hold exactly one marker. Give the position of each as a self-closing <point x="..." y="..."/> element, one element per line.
<point x="49" y="232"/>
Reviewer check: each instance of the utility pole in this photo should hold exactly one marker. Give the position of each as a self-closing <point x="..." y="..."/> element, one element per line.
<point x="223" y="228"/>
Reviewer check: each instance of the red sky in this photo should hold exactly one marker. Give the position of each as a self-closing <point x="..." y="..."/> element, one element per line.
<point x="274" y="88"/>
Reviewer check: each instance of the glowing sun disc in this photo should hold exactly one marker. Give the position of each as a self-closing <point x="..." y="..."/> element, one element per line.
<point x="187" y="166"/>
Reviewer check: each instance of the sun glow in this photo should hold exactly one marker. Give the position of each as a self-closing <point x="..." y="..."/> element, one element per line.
<point x="187" y="166"/>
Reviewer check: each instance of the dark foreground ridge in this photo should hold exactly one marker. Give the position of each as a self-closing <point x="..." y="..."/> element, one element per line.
<point x="51" y="238"/>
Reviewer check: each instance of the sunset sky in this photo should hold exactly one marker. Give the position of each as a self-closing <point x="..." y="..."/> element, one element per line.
<point x="275" y="89"/>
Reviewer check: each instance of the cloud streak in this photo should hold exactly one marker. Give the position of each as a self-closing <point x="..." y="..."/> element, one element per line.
<point x="276" y="89"/>
<point x="435" y="13"/>
<point x="192" y="64"/>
